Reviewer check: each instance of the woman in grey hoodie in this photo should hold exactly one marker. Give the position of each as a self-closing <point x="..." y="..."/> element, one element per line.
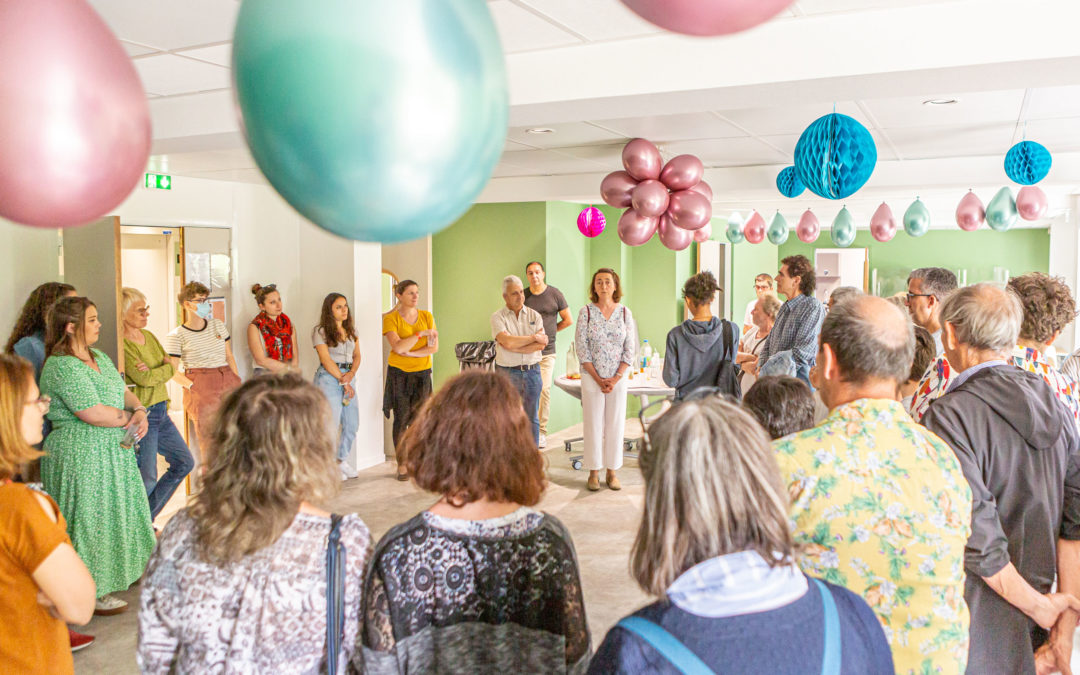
<point x="696" y="347"/>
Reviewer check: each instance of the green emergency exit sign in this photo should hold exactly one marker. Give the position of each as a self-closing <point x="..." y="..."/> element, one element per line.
<point x="158" y="181"/>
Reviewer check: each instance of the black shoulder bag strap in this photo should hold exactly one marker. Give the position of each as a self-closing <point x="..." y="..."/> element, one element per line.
<point x="335" y="594"/>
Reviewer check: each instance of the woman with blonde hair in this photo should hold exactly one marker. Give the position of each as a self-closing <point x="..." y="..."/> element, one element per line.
<point x="480" y="582"/>
<point x="45" y="581"/>
<point x="239" y="581"/>
<point x="147" y="370"/>
<point x="715" y="546"/>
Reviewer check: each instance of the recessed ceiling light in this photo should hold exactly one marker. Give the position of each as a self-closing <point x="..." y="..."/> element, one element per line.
<point x="941" y="101"/>
<point x="540" y="130"/>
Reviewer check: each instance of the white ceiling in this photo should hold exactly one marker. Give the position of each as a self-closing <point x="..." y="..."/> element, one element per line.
<point x="742" y="106"/>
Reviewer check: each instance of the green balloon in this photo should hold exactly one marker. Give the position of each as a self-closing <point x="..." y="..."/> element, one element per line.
<point x="378" y="121"/>
<point x="778" y="230"/>
<point x="1001" y="211"/>
<point x="843" y="229"/>
<point x="734" y="230"/>
<point x="917" y="219"/>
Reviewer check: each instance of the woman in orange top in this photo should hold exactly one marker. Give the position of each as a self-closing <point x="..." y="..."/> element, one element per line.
<point x="45" y="582"/>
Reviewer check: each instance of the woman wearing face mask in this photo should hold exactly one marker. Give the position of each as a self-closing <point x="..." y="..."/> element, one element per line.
<point x="202" y="344"/>
<point x="270" y="334"/>
<point x="95" y="481"/>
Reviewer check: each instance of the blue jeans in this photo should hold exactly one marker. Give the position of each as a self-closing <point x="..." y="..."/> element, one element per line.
<point x="803" y="373"/>
<point x="162" y="438"/>
<point x="345" y="418"/>
<point x="529" y="385"/>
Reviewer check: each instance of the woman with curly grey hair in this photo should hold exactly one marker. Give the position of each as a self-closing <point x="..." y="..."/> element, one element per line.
<point x="715" y="547"/>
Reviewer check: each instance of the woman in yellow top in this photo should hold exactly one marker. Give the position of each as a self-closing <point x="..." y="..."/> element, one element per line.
<point x="413" y="339"/>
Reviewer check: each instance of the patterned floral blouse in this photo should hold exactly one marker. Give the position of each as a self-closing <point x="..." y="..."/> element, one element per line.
<point x="881" y="507"/>
<point x="605" y="343"/>
<point x="1065" y="388"/>
<point x="265" y="613"/>
<point x="932" y="385"/>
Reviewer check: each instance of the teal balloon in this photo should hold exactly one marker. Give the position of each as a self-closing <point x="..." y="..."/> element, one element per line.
<point x="734" y="230"/>
<point x="1001" y="211"/>
<point x="843" y="229"/>
<point x="377" y="121"/>
<point x="917" y="219"/>
<point x="778" y="230"/>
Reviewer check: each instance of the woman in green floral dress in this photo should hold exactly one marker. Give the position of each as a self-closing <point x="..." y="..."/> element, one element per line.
<point x="96" y="482"/>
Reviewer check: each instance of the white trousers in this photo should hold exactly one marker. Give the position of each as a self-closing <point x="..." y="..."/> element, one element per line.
<point x="547" y="369"/>
<point x="604" y="423"/>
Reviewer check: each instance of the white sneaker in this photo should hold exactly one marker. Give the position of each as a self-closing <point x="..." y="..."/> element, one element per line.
<point x="347" y="471"/>
<point x="543" y="441"/>
<point x="108" y="605"/>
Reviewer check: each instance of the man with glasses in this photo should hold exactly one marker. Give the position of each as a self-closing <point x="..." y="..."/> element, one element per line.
<point x="880" y="505"/>
<point x="927" y="288"/>
<point x="763" y="285"/>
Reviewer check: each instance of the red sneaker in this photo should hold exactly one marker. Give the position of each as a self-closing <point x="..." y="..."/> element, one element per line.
<point x="79" y="640"/>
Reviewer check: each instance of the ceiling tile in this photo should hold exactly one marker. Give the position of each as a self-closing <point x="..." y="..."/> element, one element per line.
<point x="167" y="74"/>
<point x="547" y="162"/>
<point x="233" y="175"/>
<point x="719" y="152"/>
<point x="594" y="19"/>
<point x="133" y="49"/>
<point x="604" y="156"/>
<point x="953" y="141"/>
<point x="566" y="135"/>
<point x="520" y="30"/>
<point x="662" y="128"/>
<point x="209" y="160"/>
<point x="514" y="146"/>
<point x="1058" y="135"/>
<point x="972" y="108"/>
<point x="810" y="7"/>
<point x="788" y="119"/>
<point x="170" y="25"/>
<point x="1051" y="102"/>
<point x="218" y="54"/>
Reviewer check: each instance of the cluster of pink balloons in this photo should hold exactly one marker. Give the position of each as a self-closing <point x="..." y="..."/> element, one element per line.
<point x="74" y="119"/>
<point x="669" y="199"/>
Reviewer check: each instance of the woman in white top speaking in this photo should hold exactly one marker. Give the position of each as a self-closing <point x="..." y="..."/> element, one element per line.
<point x="606" y="342"/>
<point x="335" y="342"/>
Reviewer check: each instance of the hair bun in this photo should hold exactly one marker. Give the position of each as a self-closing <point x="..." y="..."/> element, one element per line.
<point x="255" y="289"/>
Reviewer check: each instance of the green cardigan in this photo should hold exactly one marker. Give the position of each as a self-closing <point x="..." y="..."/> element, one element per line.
<point x="149" y="384"/>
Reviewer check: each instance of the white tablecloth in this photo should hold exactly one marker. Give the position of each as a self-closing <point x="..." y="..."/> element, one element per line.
<point x="640" y="386"/>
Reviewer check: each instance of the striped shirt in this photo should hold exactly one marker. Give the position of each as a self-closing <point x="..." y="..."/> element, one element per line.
<point x="203" y="348"/>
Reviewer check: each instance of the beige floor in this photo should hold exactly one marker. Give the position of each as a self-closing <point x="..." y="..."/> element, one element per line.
<point x="602" y="524"/>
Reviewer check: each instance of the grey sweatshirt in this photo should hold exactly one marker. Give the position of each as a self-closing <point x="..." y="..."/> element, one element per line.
<point x="695" y="347"/>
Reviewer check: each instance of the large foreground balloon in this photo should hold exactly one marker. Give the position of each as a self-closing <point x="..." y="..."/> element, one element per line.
<point x="917" y="219"/>
<point x="1031" y="202"/>
<point x="707" y="17"/>
<point x="970" y="213"/>
<point x="1001" y="211"/>
<point x="74" y="123"/>
<point x="378" y="121"/>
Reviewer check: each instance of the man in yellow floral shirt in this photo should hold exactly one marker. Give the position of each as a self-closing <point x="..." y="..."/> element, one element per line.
<point x="879" y="503"/>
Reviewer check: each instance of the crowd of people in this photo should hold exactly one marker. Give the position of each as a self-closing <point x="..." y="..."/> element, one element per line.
<point x="845" y="487"/>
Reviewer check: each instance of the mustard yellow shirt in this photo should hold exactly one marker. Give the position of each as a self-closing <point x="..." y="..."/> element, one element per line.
<point x="392" y="321"/>
<point x="881" y="507"/>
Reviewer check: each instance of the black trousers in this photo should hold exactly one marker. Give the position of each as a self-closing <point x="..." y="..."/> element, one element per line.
<point x="403" y="395"/>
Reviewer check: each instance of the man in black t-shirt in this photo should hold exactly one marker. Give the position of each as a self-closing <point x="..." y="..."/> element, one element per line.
<point x="550" y="303"/>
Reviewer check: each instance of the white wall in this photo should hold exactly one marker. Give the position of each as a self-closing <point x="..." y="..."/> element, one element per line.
<point x="29" y="256"/>
<point x="1065" y="262"/>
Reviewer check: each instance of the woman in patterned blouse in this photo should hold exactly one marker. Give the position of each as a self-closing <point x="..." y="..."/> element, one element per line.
<point x="481" y="582"/>
<point x="237" y="583"/>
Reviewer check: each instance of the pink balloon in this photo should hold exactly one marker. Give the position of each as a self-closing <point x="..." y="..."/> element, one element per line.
<point x="808" y="228"/>
<point x="707" y="17"/>
<point x="689" y="210"/>
<point x="754" y="230"/>
<point x="616" y="187"/>
<point x="649" y="198"/>
<point x="882" y="223"/>
<point x="635" y="229"/>
<point x="682" y="172"/>
<point x="970" y="213"/>
<point x="1031" y="202"/>
<point x="673" y="236"/>
<point x="703" y="234"/>
<point x="641" y="159"/>
<point x="703" y="188"/>
<point x="74" y="118"/>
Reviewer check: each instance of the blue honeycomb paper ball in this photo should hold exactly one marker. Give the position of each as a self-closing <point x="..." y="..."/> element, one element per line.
<point x="1027" y="163"/>
<point x="788" y="183"/>
<point x="835" y="156"/>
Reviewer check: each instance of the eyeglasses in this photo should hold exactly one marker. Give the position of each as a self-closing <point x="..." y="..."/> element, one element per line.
<point x="695" y="395"/>
<point x="761" y="288"/>
<point x="42" y="402"/>
<point x="144" y="311"/>
<point x="911" y="295"/>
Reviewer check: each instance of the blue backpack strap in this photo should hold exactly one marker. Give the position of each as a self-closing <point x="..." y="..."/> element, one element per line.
<point x="830" y="662"/>
<point x="678" y="654"/>
<point x="335" y="594"/>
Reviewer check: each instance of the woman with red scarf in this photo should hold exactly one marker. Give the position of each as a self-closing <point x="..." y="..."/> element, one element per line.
<point x="271" y="338"/>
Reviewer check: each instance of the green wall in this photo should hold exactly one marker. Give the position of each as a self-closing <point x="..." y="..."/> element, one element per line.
<point x="1017" y="251"/>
